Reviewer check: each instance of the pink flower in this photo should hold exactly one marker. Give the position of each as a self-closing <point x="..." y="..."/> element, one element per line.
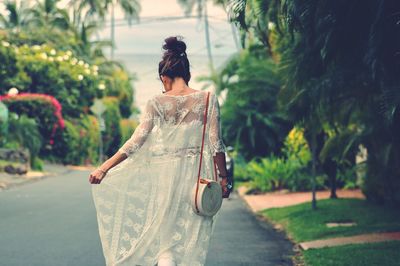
<point x="41" y="97"/>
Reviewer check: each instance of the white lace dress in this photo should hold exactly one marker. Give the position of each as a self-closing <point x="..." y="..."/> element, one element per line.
<point x="143" y="203"/>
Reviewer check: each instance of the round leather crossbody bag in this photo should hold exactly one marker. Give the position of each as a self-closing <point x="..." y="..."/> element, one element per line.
<point x="206" y="197"/>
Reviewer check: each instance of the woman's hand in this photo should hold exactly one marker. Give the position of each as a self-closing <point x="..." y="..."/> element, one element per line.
<point x="225" y="190"/>
<point x="96" y="176"/>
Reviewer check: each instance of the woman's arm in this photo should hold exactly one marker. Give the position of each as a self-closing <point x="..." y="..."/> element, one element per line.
<point x="220" y="161"/>
<point x="217" y="145"/>
<point x="133" y="144"/>
<point x="97" y="175"/>
<point x="113" y="161"/>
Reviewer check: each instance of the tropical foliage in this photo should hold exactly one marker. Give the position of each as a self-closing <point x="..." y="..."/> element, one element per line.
<point x="50" y="47"/>
<point x="339" y="62"/>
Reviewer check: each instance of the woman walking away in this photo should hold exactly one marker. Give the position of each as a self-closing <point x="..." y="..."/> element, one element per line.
<point x="143" y="192"/>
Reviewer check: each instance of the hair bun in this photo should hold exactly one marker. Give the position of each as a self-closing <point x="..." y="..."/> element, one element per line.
<point x="175" y="45"/>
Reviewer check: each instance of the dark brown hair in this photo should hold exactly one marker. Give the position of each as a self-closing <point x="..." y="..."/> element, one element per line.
<point x="174" y="62"/>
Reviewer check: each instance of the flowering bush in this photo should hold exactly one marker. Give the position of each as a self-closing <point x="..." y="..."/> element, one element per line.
<point x="42" y="69"/>
<point x="44" y="108"/>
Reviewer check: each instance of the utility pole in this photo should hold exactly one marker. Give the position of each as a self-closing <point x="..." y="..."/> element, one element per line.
<point x="112" y="30"/>
<point x="207" y="33"/>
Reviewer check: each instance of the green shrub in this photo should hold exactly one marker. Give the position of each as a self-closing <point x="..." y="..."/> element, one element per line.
<point x="44" y="109"/>
<point x="241" y="172"/>
<point x="270" y="173"/>
<point x="118" y="84"/>
<point x="66" y="148"/>
<point x="37" y="164"/>
<point x="90" y="138"/>
<point x="26" y="133"/>
<point x="112" y="134"/>
<point x="128" y="126"/>
<point x="78" y="143"/>
<point x="8" y="66"/>
<point x="291" y="171"/>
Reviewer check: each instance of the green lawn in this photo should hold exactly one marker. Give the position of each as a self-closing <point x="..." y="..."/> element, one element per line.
<point x="382" y="254"/>
<point x="303" y="224"/>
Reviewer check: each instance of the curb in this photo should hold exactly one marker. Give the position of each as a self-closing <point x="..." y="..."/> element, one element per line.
<point x="44" y="175"/>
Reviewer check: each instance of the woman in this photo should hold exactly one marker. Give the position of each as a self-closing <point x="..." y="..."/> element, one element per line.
<point x="143" y="205"/>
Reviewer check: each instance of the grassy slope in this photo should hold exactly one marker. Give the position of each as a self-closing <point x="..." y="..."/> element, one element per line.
<point x="382" y="254"/>
<point x="303" y="224"/>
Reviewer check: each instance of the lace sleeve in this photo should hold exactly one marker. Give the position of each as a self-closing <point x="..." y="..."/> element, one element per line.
<point x="142" y="130"/>
<point x="215" y="133"/>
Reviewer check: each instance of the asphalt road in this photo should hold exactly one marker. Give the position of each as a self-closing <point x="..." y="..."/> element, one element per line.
<point x="52" y="222"/>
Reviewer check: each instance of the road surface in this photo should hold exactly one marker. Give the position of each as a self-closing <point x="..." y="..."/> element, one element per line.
<point x="52" y="222"/>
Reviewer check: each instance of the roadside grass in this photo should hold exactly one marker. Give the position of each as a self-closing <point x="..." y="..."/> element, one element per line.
<point x="384" y="253"/>
<point x="301" y="223"/>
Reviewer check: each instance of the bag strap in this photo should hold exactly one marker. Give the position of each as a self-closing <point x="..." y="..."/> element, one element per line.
<point x="201" y="152"/>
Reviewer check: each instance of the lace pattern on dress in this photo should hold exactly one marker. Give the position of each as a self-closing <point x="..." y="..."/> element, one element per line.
<point x="174" y="111"/>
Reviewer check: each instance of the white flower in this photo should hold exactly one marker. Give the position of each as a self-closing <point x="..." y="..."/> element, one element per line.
<point x="5" y="44"/>
<point x="59" y="58"/>
<point x="86" y="65"/>
<point x="53" y="52"/>
<point x="13" y="91"/>
<point x="87" y="71"/>
<point x="43" y="55"/>
<point x="95" y="68"/>
<point x="36" y="47"/>
<point x="66" y="57"/>
<point x="51" y="59"/>
<point x="102" y="86"/>
<point x="271" y="25"/>
<point x="69" y="53"/>
<point x="80" y="77"/>
<point x="81" y="63"/>
<point x="74" y="61"/>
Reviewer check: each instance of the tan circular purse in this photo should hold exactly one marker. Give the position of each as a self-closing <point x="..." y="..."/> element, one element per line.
<point x="206" y="198"/>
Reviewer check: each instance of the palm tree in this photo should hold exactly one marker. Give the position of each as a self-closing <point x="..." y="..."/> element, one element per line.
<point x="46" y="14"/>
<point x="201" y="5"/>
<point x="95" y="9"/>
<point x="16" y="17"/>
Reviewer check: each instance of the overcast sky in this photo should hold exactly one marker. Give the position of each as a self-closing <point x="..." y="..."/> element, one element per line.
<point x="147" y="37"/>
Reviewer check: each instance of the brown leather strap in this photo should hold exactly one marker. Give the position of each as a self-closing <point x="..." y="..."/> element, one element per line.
<point x="201" y="152"/>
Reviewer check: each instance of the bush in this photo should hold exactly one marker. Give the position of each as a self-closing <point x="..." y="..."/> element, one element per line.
<point x="291" y="171"/>
<point x="241" y="172"/>
<point x="8" y="66"/>
<point x="26" y="133"/>
<point x="112" y="135"/>
<point x="128" y="126"/>
<point x="44" y="109"/>
<point x="78" y="143"/>
<point x="43" y="69"/>
<point x="118" y="84"/>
